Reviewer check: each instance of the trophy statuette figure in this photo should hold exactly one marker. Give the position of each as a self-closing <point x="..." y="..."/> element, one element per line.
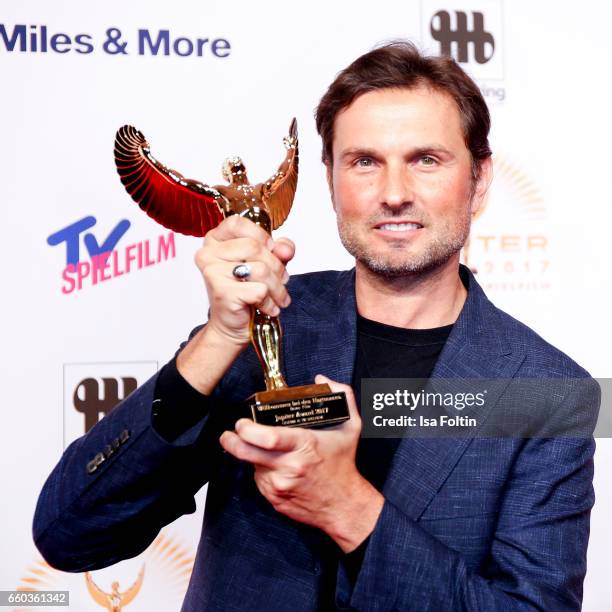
<point x="116" y="600"/>
<point x="190" y="207"/>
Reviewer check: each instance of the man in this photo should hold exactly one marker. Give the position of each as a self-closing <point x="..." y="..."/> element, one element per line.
<point x="302" y="519"/>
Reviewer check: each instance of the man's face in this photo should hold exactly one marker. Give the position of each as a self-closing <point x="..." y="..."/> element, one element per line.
<point x="401" y="180"/>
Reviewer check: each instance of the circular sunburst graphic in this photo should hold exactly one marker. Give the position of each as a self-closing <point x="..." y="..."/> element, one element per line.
<point x="155" y="580"/>
<point x="508" y="245"/>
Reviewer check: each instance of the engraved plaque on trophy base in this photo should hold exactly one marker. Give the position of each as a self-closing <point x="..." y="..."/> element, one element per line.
<point x="306" y="406"/>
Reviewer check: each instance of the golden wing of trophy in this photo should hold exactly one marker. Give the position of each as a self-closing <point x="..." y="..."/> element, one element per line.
<point x="279" y="190"/>
<point x="178" y="203"/>
<point x="97" y="594"/>
<point x="190" y="207"/>
<point x="130" y="594"/>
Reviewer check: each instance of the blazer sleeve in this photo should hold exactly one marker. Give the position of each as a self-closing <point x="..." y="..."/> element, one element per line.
<point x="117" y="486"/>
<point x="537" y="557"/>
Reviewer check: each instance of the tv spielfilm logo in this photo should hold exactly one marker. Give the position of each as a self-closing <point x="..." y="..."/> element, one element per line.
<point x="469" y="31"/>
<point x="92" y="390"/>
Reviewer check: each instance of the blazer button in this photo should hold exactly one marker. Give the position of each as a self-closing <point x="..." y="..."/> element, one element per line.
<point x="92" y="466"/>
<point x="124" y="436"/>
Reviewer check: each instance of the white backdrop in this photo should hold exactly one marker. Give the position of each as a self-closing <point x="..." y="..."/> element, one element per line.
<point x="539" y="246"/>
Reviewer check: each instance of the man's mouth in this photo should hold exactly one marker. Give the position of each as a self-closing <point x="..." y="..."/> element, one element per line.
<point x="398" y="227"/>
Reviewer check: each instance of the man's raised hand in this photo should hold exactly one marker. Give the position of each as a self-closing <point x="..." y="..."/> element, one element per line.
<point x="233" y="242"/>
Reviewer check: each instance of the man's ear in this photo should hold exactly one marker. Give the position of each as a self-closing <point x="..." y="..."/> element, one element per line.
<point x="330" y="181"/>
<point x="483" y="183"/>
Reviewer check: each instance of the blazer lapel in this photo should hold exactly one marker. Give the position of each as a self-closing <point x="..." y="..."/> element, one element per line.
<point x="477" y="348"/>
<point x="321" y="337"/>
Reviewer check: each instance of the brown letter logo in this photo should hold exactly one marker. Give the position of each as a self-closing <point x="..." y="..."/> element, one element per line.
<point x="88" y="400"/>
<point x="481" y="40"/>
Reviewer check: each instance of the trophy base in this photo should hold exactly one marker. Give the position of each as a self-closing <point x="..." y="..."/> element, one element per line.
<point x="306" y="406"/>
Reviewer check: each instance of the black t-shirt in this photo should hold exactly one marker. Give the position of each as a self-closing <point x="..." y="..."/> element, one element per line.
<point x="383" y="351"/>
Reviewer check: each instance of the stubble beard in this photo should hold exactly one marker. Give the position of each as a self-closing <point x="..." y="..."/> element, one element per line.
<point x="447" y="242"/>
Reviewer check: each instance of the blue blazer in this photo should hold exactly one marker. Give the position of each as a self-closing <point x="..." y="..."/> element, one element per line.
<point x="468" y="524"/>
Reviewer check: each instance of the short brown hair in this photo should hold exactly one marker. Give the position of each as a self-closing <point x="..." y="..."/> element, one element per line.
<point x="399" y="65"/>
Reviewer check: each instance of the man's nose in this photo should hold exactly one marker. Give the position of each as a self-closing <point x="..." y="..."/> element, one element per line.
<point x="397" y="187"/>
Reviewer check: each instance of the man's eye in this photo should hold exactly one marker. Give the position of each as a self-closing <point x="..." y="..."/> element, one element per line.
<point x="428" y="160"/>
<point x="364" y="162"/>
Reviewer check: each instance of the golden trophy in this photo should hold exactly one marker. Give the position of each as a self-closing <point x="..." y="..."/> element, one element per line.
<point x="193" y="208"/>
<point x="116" y="600"/>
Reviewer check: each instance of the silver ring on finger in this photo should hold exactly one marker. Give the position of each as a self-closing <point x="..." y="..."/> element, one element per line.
<point x="242" y="271"/>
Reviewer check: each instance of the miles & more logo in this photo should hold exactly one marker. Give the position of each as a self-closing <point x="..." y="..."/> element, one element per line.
<point x="106" y="261"/>
<point x="40" y="39"/>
